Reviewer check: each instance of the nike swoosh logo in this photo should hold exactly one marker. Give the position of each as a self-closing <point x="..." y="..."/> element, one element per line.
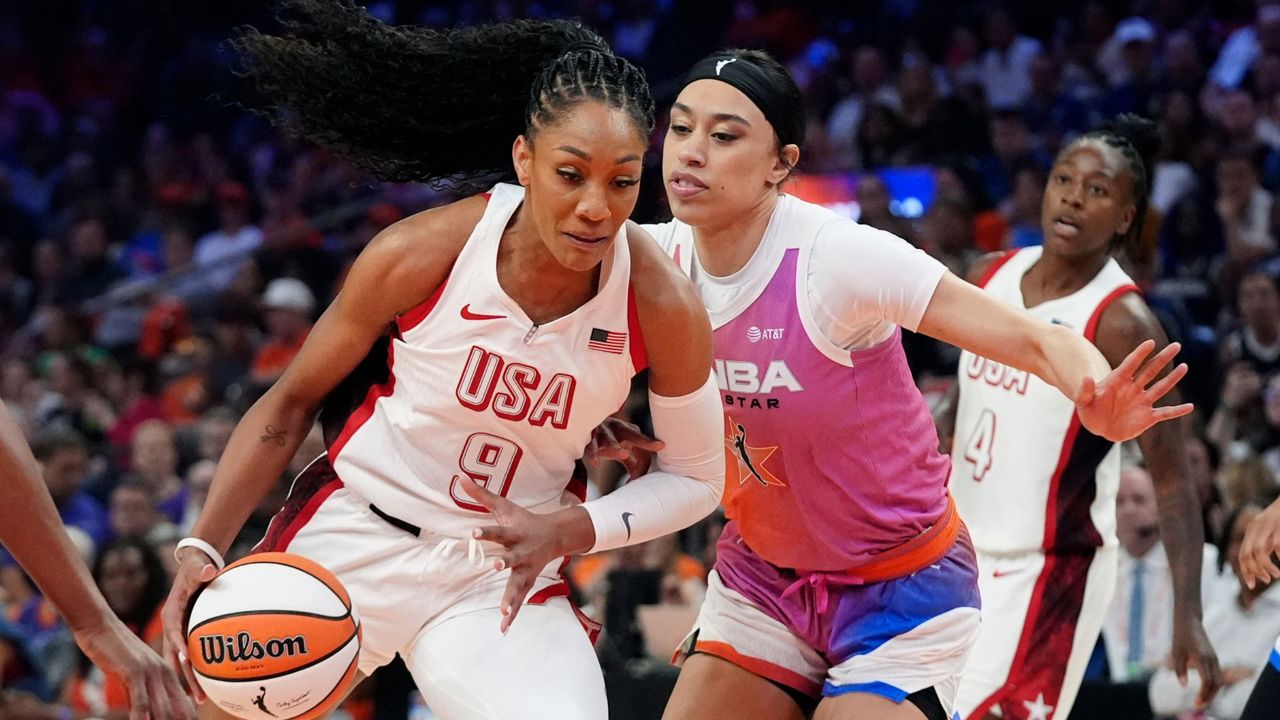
<point x="468" y="315"/>
<point x="1000" y="573"/>
<point x="626" y="520"/>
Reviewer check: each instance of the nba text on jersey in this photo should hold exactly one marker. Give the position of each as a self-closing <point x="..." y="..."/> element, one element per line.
<point x="744" y="376"/>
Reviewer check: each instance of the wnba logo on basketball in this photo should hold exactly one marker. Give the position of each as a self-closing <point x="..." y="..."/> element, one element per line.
<point x="216" y="649"/>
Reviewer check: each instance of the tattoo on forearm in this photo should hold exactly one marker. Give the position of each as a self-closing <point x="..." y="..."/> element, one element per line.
<point x="273" y="435"/>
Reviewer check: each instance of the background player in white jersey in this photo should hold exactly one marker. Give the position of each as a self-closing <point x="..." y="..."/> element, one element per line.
<point x="1038" y="490"/>
<point x="1258" y="565"/>
<point x="501" y="330"/>
<point x="843" y="579"/>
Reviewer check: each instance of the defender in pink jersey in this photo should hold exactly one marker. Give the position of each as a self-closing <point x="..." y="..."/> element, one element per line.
<point x="844" y="577"/>
<point x="471" y="352"/>
<point x="1037" y="489"/>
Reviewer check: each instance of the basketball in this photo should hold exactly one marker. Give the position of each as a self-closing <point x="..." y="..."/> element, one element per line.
<point x="274" y="636"/>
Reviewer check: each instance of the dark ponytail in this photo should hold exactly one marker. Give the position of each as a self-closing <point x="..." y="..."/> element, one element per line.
<point x="1137" y="139"/>
<point x="419" y="104"/>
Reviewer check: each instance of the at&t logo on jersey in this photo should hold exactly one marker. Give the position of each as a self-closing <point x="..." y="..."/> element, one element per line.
<point x="746" y="377"/>
<point x="510" y="388"/>
<point x="755" y="334"/>
<point x="995" y="374"/>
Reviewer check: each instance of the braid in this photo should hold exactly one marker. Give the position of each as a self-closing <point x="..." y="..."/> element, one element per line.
<point x="589" y="73"/>
<point x="419" y="104"/>
<point x="1137" y="141"/>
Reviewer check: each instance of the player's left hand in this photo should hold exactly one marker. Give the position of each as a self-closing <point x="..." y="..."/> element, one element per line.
<point x="1123" y="404"/>
<point x="1191" y="648"/>
<point x="530" y="541"/>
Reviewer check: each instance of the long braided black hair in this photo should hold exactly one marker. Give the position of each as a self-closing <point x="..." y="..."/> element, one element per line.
<point x="1136" y="138"/>
<point x="420" y="104"/>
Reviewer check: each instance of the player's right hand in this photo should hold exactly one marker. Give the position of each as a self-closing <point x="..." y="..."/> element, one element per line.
<point x="616" y="439"/>
<point x="1122" y="405"/>
<point x="155" y="692"/>
<point x="195" y="570"/>
<point x="1259" y="547"/>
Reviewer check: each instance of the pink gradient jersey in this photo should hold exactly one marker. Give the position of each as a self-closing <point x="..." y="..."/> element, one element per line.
<point x="831" y="453"/>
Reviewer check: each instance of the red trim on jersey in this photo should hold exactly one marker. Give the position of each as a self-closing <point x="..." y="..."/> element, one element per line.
<point x="995" y="265"/>
<point x="308" y="512"/>
<point x="365" y="411"/>
<point x="312" y="504"/>
<point x="1051" y="511"/>
<point x="411" y="319"/>
<point x="639" y="359"/>
<point x="486" y="196"/>
<point x="1091" y="328"/>
<point x="577" y="485"/>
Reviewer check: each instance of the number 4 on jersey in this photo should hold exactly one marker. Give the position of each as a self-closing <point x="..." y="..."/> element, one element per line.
<point x="979" y="449"/>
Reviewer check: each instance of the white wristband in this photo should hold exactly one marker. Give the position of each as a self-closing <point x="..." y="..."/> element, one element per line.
<point x="202" y="546"/>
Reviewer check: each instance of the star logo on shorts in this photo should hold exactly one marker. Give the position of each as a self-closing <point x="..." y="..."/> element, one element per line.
<point x="1038" y="710"/>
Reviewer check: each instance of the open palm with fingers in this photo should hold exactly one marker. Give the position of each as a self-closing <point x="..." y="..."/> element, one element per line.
<point x="1123" y="404"/>
<point x="529" y="540"/>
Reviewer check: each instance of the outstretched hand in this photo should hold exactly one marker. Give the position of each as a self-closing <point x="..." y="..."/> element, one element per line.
<point x="529" y="540"/>
<point x="1123" y="404"/>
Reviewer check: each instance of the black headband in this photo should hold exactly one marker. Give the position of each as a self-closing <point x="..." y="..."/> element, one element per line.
<point x="767" y="93"/>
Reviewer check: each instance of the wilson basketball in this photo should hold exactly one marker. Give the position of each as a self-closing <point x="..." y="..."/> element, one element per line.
<point x="274" y="636"/>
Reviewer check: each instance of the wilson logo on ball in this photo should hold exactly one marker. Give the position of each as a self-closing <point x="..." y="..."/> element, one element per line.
<point x="216" y="649"/>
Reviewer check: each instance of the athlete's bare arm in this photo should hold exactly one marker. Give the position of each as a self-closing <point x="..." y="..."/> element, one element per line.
<point x="32" y="531"/>
<point x="1117" y="405"/>
<point x="944" y="415"/>
<point x="1124" y="325"/>
<point x="400" y="268"/>
<point x="677" y="332"/>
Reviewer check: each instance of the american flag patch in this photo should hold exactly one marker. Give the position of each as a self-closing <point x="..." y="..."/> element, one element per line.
<point x="605" y="341"/>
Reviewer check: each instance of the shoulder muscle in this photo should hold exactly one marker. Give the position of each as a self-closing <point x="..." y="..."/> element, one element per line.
<point x="1125" y="324"/>
<point x="672" y="317"/>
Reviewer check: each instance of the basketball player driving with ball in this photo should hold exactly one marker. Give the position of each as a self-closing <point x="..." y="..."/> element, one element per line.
<point x="470" y="354"/>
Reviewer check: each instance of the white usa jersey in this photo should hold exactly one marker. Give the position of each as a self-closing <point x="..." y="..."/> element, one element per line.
<point x="1025" y="474"/>
<point x="468" y="386"/>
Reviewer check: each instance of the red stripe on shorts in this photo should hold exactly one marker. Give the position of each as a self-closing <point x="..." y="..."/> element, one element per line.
<point x="756" y="666"/>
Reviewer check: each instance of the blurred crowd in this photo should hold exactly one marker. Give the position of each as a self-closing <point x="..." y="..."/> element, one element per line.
<point x="163" y="254"/>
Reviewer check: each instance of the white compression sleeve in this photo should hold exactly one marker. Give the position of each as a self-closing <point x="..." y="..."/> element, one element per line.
<point x="687" y="481"/>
